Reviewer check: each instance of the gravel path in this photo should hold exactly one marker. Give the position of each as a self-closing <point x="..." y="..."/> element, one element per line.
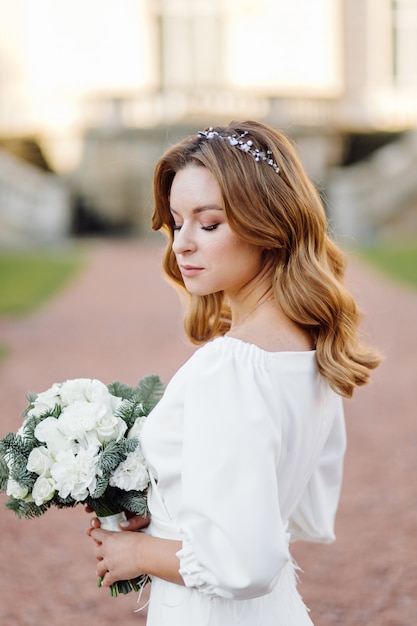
<point x="119" y="320"/>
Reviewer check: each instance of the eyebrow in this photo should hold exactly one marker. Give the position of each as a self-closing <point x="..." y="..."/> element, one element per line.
<point x="201" y="209"/>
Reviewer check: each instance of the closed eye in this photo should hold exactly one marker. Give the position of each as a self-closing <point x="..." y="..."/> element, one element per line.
<point x="212" y="227"/>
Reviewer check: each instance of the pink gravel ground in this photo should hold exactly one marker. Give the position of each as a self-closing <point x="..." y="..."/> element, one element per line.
<point x="119" y="320"/>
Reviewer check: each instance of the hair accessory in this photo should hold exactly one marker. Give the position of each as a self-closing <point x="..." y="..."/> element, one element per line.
<point x="243" y="144"/>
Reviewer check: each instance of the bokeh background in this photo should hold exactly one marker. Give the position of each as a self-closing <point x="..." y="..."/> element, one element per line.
<point x="91" y="92"/>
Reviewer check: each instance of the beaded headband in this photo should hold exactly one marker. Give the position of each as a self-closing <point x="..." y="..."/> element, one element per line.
<point x="243" y="144"/>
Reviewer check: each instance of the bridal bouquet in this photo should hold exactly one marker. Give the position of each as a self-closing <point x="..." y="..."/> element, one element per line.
<point x="80" y="443"/>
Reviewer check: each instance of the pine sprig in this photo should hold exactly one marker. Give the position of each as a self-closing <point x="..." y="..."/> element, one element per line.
<point x="137" y="401"/>
<point x="134" y="502"/>
<point x="16" y="450"/>
<point x="130" y="410"/>
<point x="14" y="447"/>
<point x="27" y="510"/>
<point x="150" y="390"/>
<point x="114" y="453"/>
<point x="4" y="474"/>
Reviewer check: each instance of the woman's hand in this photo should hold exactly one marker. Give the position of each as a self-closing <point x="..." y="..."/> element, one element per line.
<point x="117" y="554"/>
<point x="126" y="555"/>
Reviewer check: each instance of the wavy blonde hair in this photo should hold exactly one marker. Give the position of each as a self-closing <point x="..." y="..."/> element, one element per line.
<point x="283" y="214"/>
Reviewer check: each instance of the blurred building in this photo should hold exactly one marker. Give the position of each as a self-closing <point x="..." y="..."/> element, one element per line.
<point x="107" y="84"/>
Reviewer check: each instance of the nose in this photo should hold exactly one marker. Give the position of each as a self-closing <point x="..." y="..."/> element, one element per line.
<point x="183" y="241"/>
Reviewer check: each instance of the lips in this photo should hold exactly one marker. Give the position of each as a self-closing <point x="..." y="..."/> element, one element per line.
<point x="190" y="270"/>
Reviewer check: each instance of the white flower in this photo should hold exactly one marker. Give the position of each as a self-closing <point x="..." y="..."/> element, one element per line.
<point x="48" y="432"/>
<point x="109" y="427"/>
<point x="132" y="473"/>
<point x="75" y="474"/>
<point x="85" y="389"/>
<point x="79" y="418"/>
<point x="43" y="490"/>
<point x="91" y="423"/>
<point x="40" y="461"/>
<point x="46" y="400"/>
<point x="16" y="490"/>
<point x="136" y="429"/>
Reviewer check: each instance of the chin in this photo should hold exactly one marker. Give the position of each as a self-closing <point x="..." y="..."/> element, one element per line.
<point x="194" y="291"/>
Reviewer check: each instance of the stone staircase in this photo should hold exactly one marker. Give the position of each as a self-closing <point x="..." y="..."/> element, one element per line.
<point x="376" y="198"/>
<point x="35" y="204"/>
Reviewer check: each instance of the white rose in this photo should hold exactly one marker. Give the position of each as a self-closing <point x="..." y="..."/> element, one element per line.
<point x="75" y="474"/>
<point x="136" y="429"/>
<point x="16" y="490"/>
<point x="132" y="473"/>
<point x="91" y="423"/>
<point x="40" y="461"/>
<point x="43" y="490"/>
<point x="85" y="389"/>
<point x="48" y="432"/>
<point x="109" y="427"/>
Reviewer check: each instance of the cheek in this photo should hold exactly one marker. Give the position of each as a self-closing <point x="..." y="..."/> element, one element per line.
<point x="251" y="255"/>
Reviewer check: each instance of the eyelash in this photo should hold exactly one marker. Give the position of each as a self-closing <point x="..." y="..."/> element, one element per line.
<point x="207" y="228"/>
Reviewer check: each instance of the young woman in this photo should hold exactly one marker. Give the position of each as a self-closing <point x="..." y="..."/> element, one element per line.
<point x="245" y="449"/>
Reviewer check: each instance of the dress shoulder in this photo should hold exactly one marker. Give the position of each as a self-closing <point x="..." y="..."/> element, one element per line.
<point x="247" y="367"/>
<point x="231" y="348"/>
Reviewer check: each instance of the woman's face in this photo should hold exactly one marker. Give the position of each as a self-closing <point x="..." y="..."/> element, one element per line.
<point x="210" y="256"/>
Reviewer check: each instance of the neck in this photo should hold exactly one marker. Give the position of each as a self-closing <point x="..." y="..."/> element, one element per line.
<point x="251" y="312"/>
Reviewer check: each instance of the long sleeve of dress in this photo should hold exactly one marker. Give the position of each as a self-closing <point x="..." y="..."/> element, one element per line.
<point x="234" y="541"/>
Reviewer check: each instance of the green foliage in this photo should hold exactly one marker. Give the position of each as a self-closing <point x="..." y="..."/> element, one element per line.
<point x="115" y="500"/>
<point x="30" y="510"/>
<point x="16" y="449"/>
<point x="133" y="501"/>
<point x="120" y="390"/>
<point x="27" y="510"/>
<point x="396" y="259"/>
<point x="4" y="474"/>
<point x="140" y="400"/>
<point x="150" y="389"/>
<point x="113" y="453"/>
<point x="29" y="279"/>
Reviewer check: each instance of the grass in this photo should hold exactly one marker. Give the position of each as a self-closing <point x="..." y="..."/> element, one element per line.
<point x="29" y="279"/>
<point x="395" y="259"/>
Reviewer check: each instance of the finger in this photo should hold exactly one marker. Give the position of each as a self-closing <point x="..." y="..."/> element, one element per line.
<point x="101" y="569"/>
<point x="98" y="552"/>
<point x="95" y="522"/>
<point x="98" y="534"/>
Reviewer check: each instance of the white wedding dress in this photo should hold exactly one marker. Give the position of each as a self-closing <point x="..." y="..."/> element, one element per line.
<point x="245" y="451"/>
